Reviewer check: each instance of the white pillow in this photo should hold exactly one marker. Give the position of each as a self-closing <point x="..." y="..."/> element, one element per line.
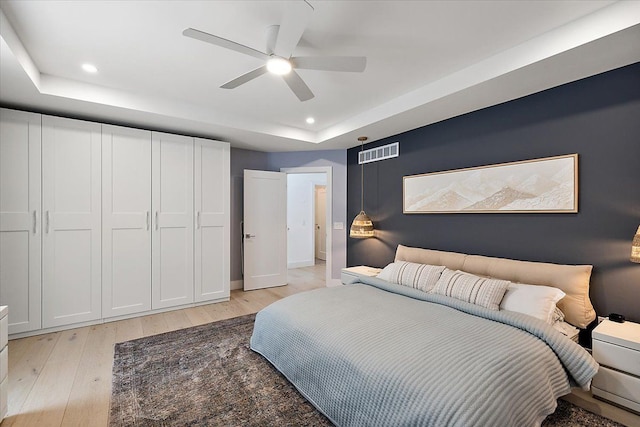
<point x="482" y="291"/>
<point x="536" y="301"/>
<point x="418" y="276"/>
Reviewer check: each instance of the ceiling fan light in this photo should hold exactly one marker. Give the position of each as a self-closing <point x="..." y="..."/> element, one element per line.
<point x="279" y="66"/>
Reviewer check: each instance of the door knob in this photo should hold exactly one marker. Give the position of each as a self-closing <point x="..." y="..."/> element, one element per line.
<point x="248" y="236"/>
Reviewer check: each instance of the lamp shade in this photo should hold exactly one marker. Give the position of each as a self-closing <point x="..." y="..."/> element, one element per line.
<point x="361" y="227"/>
<point x="635" y="247"/>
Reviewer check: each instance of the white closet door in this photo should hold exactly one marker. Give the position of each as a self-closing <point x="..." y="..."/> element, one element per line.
<point x="20" y="215"/>
<point x="71" y="221"/>
<point x="265" y="229"/>
<point x="172" y="206"/>
<point x="126" y="221"/>
<point x="212" y="220"/>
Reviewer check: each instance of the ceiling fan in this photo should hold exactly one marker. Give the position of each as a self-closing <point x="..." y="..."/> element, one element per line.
<point x="281" y="41"/>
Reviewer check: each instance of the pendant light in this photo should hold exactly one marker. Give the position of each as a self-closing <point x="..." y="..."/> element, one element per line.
<point x="361" y="227"/>
<point x="635" y="247"/>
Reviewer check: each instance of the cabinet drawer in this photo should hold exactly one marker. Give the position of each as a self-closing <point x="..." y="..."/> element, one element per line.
<point x="4" y="393"/>
<point x="4" y="331"/>
<point x="618" y="357"/>
<point x="4" y="363"/>
<point x="617" y="383"/>
<point x="616" y="399"/>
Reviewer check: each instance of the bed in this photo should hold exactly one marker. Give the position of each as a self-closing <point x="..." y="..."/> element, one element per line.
<point x="394" y="353"/>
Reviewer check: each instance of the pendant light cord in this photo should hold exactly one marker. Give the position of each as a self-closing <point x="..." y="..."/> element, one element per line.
<point x="361" y="227"/>
<point x="362" y="179"/>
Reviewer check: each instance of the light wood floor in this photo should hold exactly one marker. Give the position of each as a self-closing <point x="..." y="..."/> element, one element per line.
<point x="64" y="378"/>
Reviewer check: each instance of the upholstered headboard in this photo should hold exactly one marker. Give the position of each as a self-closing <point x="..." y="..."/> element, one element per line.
<point x="573" y="280"/>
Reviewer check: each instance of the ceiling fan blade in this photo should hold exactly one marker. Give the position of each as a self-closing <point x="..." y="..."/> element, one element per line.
<point x="245" y="78"/>
<point x="355" y="64"/>
<point x="296" y="17"/>
<point x="298" y="86"/>
<point x="228" y="44"/>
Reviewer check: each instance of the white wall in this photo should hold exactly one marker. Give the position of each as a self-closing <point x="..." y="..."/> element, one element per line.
<point x="248" y="159"/>
<point x="337" y="160"/>
<point x="301" y="218"/>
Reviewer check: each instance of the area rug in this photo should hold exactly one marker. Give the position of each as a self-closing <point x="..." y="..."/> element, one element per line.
<point x="208" y="376"/>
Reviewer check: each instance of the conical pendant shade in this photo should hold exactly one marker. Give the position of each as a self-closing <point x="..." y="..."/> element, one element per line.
<point x="361" y="227"/>
<point x="635" y="247"/>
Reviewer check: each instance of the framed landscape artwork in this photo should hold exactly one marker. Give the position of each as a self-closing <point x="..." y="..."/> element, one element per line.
<point x="548" y="185"/>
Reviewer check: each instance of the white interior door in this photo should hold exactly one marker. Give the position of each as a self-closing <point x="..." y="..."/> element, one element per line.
<point x="321" y="222"/>
<point x="71" y="244"/>
<point x="212" y="202"/>
<point x="20" y="219"/>
<point x="172" y="205"/>
<point x="265" y="229"/>
<point x="126" y="217"/>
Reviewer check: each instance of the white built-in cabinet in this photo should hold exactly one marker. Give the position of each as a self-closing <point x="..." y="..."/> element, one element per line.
<point x="101" y="221"/>
<point x="126" y="221"/>
<point x="20" y="215"/>
<point x="212" y="218"/>
<point x="71" y="237"/>
<point x="172" y="201"/>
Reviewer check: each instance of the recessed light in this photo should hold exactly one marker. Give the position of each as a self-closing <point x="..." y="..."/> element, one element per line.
<point x="278" y="65"/>
<point x="311" y="120"/>
<point x="89" y="68"/>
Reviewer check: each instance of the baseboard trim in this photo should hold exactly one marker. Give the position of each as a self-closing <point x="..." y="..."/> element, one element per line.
<point x="237" y="285"/>
<point x="300" y="264"/>
<point x="334" y="282"/>
<point x="113" y="319"/>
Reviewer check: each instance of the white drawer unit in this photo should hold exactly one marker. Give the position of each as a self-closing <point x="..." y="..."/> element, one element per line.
<point x="616" y="347"/>
<point x="4" y="360"/>
<point x="352" y="274"/>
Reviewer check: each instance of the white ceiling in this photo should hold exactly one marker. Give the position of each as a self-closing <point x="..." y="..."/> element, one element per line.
<point x="427" y="61"/>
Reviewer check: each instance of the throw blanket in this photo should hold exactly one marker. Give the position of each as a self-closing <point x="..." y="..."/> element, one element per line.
<point x="380" y="354"/>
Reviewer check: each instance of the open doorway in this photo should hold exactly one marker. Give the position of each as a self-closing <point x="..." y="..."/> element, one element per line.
<point x="309" y="195"/>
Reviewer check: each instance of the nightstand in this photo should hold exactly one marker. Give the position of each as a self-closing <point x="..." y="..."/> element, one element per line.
<point x="616" y="347"/>
<point x="352" y="274"/>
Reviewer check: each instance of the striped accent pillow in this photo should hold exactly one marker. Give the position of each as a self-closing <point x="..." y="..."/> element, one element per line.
<point x="471" y="288"/>
<point x="418" y="276"/>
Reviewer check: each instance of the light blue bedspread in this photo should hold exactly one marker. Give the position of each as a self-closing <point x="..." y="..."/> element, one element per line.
<point x="380" y="354"/>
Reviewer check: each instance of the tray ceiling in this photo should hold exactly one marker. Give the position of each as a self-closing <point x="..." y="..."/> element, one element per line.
<point x="427" y="61"/>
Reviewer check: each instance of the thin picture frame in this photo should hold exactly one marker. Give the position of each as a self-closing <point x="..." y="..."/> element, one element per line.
<point x="544" y="185"/>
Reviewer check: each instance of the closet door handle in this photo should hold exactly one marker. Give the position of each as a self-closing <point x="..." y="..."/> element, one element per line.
<point x="147" y="220"/>
<point x="35" y="221"/>
<point x="47" y="220"/>
<point x="198" y="219"/>
<point x="156" y="220"/>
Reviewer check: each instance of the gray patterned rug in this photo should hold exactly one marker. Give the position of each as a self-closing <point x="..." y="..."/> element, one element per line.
<point x="208" y="376"/>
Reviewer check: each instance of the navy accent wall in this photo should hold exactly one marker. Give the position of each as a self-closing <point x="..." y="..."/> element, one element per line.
<point x="241" y="160"/>
<point x="597" y="117"/>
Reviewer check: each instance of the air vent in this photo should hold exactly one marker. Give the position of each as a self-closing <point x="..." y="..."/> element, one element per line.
<point x="379" y="153"/>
